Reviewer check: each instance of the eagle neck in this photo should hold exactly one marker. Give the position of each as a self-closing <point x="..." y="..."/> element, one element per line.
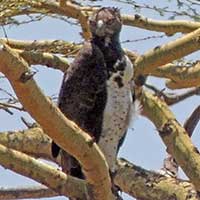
<point x="112" y="51"/>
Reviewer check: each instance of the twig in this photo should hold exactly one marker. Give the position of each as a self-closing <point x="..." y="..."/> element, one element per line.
<point x="6" y="109"/>
<point x="192" y="121"/>
<point x="192" y="13"/>
<point x="8" y="105"/>
<point x="172" y="99"/>
<point x="9" y="94"/>
<point x="28" y="124"/>
<point x="143" y="39"/>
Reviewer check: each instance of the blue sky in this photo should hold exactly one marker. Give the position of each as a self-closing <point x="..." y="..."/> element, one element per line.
<point x="142" y="146"/>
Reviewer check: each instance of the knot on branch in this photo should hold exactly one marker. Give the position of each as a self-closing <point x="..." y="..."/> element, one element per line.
<point x="166" y="129"/>
<point x="26" y="76"/>
<point x="90" y="141"/>
<point x="137" y="17"/>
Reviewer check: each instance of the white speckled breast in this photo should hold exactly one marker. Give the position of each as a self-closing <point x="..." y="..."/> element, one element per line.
<point x="117" y="113"/>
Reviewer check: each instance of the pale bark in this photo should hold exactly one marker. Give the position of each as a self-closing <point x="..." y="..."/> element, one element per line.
<point x="134" y="180"/>
<point x="178" y="143"/>
<point x="167" y="26"/>
<point x="180" y="76"/>
<point x="64" y="132"/>
<point x="43" y="173"/>
<point x="34" y="192"/>
<point x="137" y="182"/>
<point x="167" y="53"/>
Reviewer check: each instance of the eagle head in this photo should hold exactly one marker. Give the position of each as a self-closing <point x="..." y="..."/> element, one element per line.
<point x="105" y="22"/>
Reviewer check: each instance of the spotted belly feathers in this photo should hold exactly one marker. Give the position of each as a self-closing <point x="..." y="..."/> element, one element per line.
<point x="117" y="112"/>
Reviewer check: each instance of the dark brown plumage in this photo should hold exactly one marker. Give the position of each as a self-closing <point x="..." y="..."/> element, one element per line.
<point x="84" y="84"/>
<point x="96" y="89"/>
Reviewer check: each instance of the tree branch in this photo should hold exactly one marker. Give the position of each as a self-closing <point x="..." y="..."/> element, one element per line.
<point x="180" y="76"/>
<point x="170" y="164"/>
<point x="31" y="50"/>
<point x="174" y="136"/>
<point x="192" y="121"/>
<point x="81" y="13"/>
<point x="134" y="180"/>
<point x="8" y="105"/>
<point x="169" y="52"/>
<point x="172" y="98"/>
<point x="48" y="59"/>
<point x="34" y="192"/>
<point x="169" y="27"/>
<point x="43" y="173"/>
<point x="50" y="46"/>
<point x="63" y="131"/>
<point x="32" y="141"/>
<point x="148" y="185"/>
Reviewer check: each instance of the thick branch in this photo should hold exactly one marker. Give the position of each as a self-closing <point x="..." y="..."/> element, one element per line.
<point x="169" y="52"/>
<point x="174" y="136"/>
<point x="170" y="165"/>
<point x="133" y="180"/>
<point x="31" y="50"/>
<point x="48" y="59"/>
<point x="10" y="106"/>
<point x="148" y="185"/>
<point x="168" y="26"/>
<point x="43" y="173"/>
<point x="34" y="192"/>
<point x="63" y="131"/>
<point x="31" y="141"/>
<point x="180" y="76"/>
<point x="50" y="46"/>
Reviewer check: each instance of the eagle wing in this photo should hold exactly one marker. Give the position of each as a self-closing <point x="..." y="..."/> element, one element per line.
<point x="84" y="84"/>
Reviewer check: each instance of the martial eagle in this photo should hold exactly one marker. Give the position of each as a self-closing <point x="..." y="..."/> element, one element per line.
<point x="96" y="89"/>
